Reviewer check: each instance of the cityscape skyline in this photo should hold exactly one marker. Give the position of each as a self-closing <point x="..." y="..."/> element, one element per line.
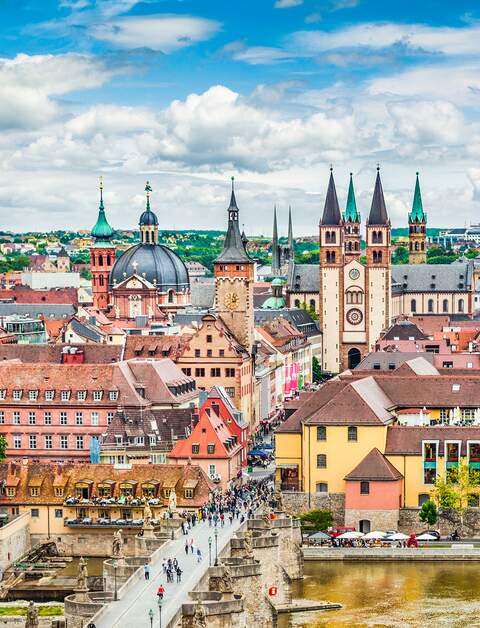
<point x="101" y="87"/>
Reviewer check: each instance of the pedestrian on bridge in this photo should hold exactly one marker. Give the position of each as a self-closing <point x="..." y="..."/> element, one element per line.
<point x="161" y="592"/>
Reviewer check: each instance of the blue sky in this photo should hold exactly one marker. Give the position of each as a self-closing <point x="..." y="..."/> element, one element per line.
<point x="186" y="93"/>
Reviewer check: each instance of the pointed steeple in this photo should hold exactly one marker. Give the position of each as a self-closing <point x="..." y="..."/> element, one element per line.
<point x="351" y="212"/>
<point x="244" y="237"/>
<point x="378" y="211"/>
<point x="290" y="232"/>
<point x="102" y="231"/>
<point x="331" y="211"/>
<point x="233" y="248"/>
<point x="417" y="214"/>
<point x="275" y="247"/>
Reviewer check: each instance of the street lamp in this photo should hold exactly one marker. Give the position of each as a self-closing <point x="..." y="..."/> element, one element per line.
<point x="209" y="551"/>
<point x="150" y="615"/>
<point x="115" y="592"/>
<point x="160" y="612"/>
<point x="216" y="546"/>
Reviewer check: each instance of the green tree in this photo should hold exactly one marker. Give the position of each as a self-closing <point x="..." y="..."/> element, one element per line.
<point x="400" y="255"/>
<point x="316" y="519"/>
<point x="458" y="489"/>
<point x="429" y="513"/>
<point x="3" y="447"/>
<point x="311" y="310"/>
<point x="85" y="273"/>
<point x="316" y="369"/>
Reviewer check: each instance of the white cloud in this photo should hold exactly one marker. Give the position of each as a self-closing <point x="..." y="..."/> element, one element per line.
<point x="166" y="33"/>
<point x="287" y="4"/>
<point x="262" y="55"/>
<point x="423" y="122"/>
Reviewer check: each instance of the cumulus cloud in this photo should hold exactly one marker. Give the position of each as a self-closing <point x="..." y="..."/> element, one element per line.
<point x="158" y="32"/>
<point x="438" y="122"/>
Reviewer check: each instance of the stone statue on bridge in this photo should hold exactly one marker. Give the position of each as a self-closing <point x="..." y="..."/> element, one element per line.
<point x="147" y="517"/>
<point x="267" y="516"/>
<point x="32" y="616"/>
<point x="248" y="544"/>
<point x="82" y="575"/>
<point x="226" y="582"/>
<point x="172" y="501"/>
<point x="117" y="544"/>
<point x="200" y="616"/>
<point x="278" y="497"/>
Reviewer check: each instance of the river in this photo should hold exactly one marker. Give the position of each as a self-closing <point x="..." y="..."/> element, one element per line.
<point x="393" y="594"/>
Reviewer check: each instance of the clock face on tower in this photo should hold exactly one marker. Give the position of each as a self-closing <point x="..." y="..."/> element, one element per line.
<point x="354" y="316"/>
<point x="354" y="274"/>
<point x="231" y="300"/>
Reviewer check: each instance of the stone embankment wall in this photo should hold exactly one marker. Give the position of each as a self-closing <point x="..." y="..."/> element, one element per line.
<point x="448" y="522"/>
<point x="94" y="542"/>
<point x="297" y="502"/>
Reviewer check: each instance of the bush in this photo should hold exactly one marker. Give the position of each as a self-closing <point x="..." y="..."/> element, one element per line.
<point x="429" y="513"/>
<point x="316" y="519"/>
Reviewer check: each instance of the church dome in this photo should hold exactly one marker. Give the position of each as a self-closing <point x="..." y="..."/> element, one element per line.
<point x="148" y="219"/>
<point x="156" y="263"/>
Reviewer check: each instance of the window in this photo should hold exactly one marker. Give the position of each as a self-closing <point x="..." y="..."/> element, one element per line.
<point x="94" y="418"/>
<point x="422" y="498"/>
<point x="321" y="432"/>
<point x="364" y="488"/>
<point x="16" y="417"/>
<point x="34" y="491"/>
<point x="215" y="372"/>
<point x="10" y="491"/>
<point x="322" y="487"/>
<point x="79" y="418"/>
<point x="445" y="305"/>
<point x="79" y="442"/>
<point x="209" y="353"/>
<point x="47" y="418"/>
<point x="113" y="395"/>
<point x="210" y="448"/>
<point x="2" y="416"/>
<point x="188" y="493"/>
<point x="321" y="461"/>
<point x="195" y="448"/>
<point x="212" y="469"/>
<point x="430" y="305"/>
<point x="209" y="338"/>
<point x="230" y="391"/>
<point x="461" y="305"/>
<point x="32" y="419"/>
<point x="352" y="433"/>
<point x="65" y="395"/>
<point x="221" y="353"/>
<point x="81" y="395"/>
<point x="59" y="491"/>
<point x="17" y="442"/>
<point x="32" y="441"/>
<point x="63" y="442"/>
<point x="229" y="372"/>
<point x="58" y="513"/>
<point x="199" y="372"/>
<point x="32" y="395"/>
<point x="110" y="416"/>
<point x="197" y="353"/>
<point x="48" y="442"/>
<point x="97" y="395"/>
<point x="17" y="394"/>
<point x="3" y="393"/>
<point x="297" y="303"/>
<point x="34" y="512"/>
<point x="413" y="305"/>
<point x="63" y="418"/>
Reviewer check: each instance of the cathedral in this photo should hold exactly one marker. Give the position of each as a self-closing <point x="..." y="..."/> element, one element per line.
<point x="148" y="279"/>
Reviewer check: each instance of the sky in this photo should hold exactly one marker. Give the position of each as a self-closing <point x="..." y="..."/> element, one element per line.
<point x="187" y="93"/>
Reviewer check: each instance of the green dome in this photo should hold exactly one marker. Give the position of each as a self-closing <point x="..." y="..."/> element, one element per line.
<point x="102" y="231"/>
<point x="277" y="282"/>
<point x="274" y="303"/>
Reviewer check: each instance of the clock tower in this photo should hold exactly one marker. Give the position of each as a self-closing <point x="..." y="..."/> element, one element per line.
<point x="234" y="277"/>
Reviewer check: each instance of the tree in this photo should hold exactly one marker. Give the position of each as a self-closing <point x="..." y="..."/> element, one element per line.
<point x="3" y="446"/>
<point x="316" y="369"/>
<point x="316" y="519"/>
<point x="311" y="310"/>
<point x="457" y="490"/>
<point x="400" y="255"/>
<point x="429" y="513"/>
<point x="85" y="273"/>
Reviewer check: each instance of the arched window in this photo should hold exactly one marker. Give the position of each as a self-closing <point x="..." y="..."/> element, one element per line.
<point x="411" y="246"/>
<point x="327" y="237"/>
<point x="100" y="260"/>
<point x="430" y="305"/>
<point x="170" y="296"/>
<point x="109" y="260"/>
<point x="147" y="236"/>
<point x="377" y="257"/>
<point x="413" y="305"/>
<point x="422" y="246"/>
<point x="354" y="357"/>
<point x="461" y="305"/>
<point x="297" y="302"/>
<point x="312" y="304"/>
<point x="445" y="305"/>
<point x="330" y="257"/>
<point x="332" y="237"/>
<point x="101" y="280"/>
<point x="356" y="246"/>
<point x="416" y="246"/>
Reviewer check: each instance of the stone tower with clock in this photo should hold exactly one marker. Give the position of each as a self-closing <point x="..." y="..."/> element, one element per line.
<point x="354" y="297"/>
<point x="234" y="277"/>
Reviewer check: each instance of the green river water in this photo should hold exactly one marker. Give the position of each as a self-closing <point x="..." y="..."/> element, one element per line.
<point x="393" y="594"/>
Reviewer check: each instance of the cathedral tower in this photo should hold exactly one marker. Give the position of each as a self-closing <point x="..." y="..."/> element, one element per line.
<point x="331" y="278"/>
<point x="417" y="229"/>
<point x="234" y="278"/>
<point x="102" y="256"/>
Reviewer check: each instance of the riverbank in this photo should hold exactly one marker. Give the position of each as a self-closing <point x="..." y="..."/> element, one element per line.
<point x="391" y="553"/>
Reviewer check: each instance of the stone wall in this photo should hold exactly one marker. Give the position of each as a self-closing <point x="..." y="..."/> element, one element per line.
<point x="448" y="522"/>
<point x="379" y="519"/>
<point x="220" y="612"/>
<point x="93" y="542"/>
<point x="298" y="502"/>
<point x="14" y="540"/>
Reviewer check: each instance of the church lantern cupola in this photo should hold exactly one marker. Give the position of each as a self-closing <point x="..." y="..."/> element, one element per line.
<point x="148" y="222"/>
<point x="102" y="256"/>
<point x="417" y="229"/>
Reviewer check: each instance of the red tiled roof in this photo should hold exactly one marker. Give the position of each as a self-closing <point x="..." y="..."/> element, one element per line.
<point x="155" y="346"/>
<point x="374" y="467"/>
<point x="407" y="440"/>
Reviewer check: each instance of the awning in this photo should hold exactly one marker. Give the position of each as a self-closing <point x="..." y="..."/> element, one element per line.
<point x="287" y="466"/>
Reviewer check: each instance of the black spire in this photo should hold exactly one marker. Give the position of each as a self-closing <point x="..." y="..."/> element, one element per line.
<point x="331" y="211"/>
<point x="378" y="211"/>
<point x="244" y="237"/>
<point x="275" y="247"/>
<point x="233" y="248"/>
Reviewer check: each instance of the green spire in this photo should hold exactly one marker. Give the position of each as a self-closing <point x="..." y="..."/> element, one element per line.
<point x="417" y="214"/>
<point x="102" y="232"/>
<point x="351" y="212"/>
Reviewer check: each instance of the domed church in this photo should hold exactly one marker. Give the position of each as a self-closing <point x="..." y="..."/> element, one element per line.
<point x="148" y="279"/>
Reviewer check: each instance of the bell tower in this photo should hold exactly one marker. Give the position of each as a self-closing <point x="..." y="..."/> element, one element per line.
<point x="417" y="229"/>
<point x="234" y="277"/>
<point x="102" y="256"/>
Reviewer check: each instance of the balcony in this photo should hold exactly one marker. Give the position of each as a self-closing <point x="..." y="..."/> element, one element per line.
<point x="88" y="522"/>
<point x="115" y="502"/>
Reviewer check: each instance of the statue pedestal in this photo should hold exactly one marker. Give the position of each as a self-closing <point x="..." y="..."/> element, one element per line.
<point x="148" y="532"/>
<point x="81" y="596"/>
